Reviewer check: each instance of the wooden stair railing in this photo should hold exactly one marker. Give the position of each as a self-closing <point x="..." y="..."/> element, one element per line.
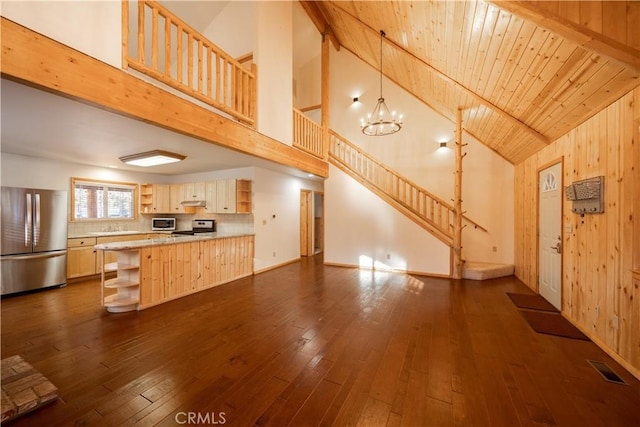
<point x="421" y="206"/>
<point x="307" y="134"/>
<point x="164" y="47"/>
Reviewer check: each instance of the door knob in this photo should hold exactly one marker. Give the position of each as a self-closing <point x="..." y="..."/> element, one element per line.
<point x="558" y="247"/>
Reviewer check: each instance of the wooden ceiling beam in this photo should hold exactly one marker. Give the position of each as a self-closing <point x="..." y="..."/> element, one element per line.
<point x="586" y="38"/>
<point x="318" y="17"/>
<point x="511" y="119"/>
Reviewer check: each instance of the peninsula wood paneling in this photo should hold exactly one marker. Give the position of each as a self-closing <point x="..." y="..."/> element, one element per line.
<point x="598" y="289"/>
<point x="171" y="271"/>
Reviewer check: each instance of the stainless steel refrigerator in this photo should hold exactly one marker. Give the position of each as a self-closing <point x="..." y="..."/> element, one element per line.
<point x="34" y="239"/>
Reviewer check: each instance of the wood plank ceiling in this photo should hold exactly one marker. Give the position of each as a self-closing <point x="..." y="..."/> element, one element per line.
<point x="525" y="73"/>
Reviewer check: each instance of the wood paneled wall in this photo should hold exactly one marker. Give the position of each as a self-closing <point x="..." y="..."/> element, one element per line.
<point x="598" y="257"/>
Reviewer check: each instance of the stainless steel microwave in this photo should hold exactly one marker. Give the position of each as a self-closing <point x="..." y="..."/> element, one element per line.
<point x="163" y="224"/>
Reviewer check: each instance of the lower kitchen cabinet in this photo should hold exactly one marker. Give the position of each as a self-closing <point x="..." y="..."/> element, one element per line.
<point x="81" y="257"/>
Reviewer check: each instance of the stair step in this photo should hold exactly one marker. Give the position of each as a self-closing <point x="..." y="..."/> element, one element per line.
<point x="484" y="270"/>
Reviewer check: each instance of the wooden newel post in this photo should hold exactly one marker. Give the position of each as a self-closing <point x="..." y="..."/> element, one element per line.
<point x="325" y="89"/>
<point x="457" y="201"/>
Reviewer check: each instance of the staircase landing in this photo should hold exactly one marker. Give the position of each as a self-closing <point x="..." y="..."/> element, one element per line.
<point x="483" y="270"/>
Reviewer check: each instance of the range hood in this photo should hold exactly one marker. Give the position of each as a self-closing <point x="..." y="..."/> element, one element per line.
<point x="193" y="203"/>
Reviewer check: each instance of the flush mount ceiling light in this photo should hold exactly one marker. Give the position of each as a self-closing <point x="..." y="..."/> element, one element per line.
<point x="381" y="121"/>
<point x="152" y="158"/>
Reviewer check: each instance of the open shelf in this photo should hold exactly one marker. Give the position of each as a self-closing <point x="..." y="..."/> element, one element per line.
<point x="243" y="196"/>
<point x="117" y="300"/>
<point x="119" y="283"/>
<point x="126" y="283"/>
<point x="112" y="266"/>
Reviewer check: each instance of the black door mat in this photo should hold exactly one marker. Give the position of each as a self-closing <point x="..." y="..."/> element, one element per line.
<point x="544" y="322"/>
<point x="531" y="302"/>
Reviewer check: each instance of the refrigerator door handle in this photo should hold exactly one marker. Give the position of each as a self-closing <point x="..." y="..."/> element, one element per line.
<point x="36" y="229"/>
<point x="36" y="255"/>
<point x="27" y="221"/>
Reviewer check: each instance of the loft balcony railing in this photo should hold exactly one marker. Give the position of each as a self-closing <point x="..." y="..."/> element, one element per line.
<point x="162" y="46"/>
<point x="307" y="134"/>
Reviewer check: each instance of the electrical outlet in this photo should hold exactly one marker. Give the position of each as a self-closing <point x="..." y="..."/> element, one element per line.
<point x="388" y="256"/>
<point x="274" y="254"/>
<point x="615" y="323"/>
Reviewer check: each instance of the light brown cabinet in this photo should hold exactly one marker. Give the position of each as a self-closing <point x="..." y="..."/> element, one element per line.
<point x="194" y="191"/>
<point x="81" y="257"/>
<point x="84" y="260"/>
<point x="226" y="196"/>
<point x="221" y="196"/>
<point x="176" y="196"/>
<point x="155" y="198"/>
<point x="211" y="196"/>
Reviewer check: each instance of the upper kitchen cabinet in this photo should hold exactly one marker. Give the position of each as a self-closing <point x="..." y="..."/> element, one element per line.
<point x="176" y="197"/>
<point x="155" y="198"/>
<point x="194" y="192"/>
<point x="226" y="195"/>
<point x="220" y="196"/>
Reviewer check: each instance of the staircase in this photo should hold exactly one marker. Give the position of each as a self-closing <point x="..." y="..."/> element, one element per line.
<point x="422" y="207"/>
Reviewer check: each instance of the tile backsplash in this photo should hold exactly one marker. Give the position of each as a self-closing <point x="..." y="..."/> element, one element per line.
<point x="228" y="223"/>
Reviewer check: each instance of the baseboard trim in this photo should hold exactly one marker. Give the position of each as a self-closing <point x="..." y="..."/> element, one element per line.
<point x="415" y="273"/>
<point x="273" y="267"/>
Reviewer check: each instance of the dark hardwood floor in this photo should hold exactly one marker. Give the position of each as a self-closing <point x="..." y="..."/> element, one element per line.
<point x="308" y="344"/>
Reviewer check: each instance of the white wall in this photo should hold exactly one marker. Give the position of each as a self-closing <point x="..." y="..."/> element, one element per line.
<point x="92" y="27"/>
<point x="273" y="56"/>
<point x="35" y="172"/>
<point x="233" y="29"/>
<point x="277" y="217"/>
<point x="415" y="153"/>
<point x="362" y="229"/>
<point x="308" y="88"/>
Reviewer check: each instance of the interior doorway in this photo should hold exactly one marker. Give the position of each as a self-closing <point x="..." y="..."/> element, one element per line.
<point x="550" y="234"/>
<point x="318" y="222"/>
<point x="306" y="223"/>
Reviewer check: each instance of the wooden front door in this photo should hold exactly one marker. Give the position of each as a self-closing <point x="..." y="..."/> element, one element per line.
<point x="550" y="234"/>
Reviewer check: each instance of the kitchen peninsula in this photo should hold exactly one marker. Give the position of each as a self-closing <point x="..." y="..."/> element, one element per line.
<point x="152" y="271"/>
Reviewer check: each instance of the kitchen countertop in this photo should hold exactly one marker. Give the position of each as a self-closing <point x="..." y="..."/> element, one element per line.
<point x="114" y="233"/>
<point x="135" y="244"/>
